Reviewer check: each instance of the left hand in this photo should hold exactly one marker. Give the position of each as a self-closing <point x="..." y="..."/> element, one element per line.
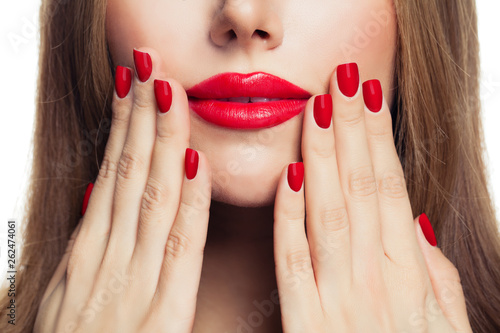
<point x="365" y="265"/>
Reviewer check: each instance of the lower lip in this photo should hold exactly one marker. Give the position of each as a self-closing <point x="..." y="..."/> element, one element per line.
<point x="247" y="115"/>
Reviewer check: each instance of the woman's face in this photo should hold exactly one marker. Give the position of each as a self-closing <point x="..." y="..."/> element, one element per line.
<point x="299" y="41"/>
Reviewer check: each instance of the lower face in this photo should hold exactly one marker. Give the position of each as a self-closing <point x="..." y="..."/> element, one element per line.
<point x="303" y="42"/>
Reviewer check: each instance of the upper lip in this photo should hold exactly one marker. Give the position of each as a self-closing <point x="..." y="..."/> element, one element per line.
<point x="257" y="84"/>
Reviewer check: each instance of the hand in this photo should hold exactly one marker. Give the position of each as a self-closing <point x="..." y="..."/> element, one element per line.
<point x="365" y="265"/>
<point x="134" y="262"/>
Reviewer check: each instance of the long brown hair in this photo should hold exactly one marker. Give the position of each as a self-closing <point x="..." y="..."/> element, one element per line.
<point x="437" y="126"/>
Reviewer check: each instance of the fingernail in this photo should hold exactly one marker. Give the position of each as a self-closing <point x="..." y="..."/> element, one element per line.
<point x="296" y="176"/>
<point x="191" y="163"/>
<point x="86" y="197"/>
<point x="348" y="79"/>
<point x="143" y="65"/>
<point x="123" y="81"/>
<point x="426" y="226"/>
<point x="163" y="94"/>
<point x="323" y="110"/>
<point x="372" y="93"/>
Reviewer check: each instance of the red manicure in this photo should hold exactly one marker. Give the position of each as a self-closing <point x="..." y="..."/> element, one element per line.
<point x="426" y="226"/>
<point x="372" y="93"/>
<point x="143" y="65"/>
<point x="348" y="79"/>
<point x="86" y="197"/>
<point x="323" y="110"/>
<point x="163" y="94"/>
<point x="191" y="163"/>
<point x="296" y="176"/>
<point x="123" y="81"/>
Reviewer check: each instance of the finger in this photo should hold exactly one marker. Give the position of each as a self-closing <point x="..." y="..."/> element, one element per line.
<point x="163" y="189"/>
<point x="444" y="277"/>
<point x="135" y="160"/>
<point x="59" y="273"/>
<point x="97" y="210"/>
<point x="355" y="167"/>
<point x="131" y="175"/>
<point x="97" y="215"/>
<point x="298" y="294"/>
<point x="327" y="223"/>
<point x="181" y="266"/>
<point x="90" y="243"/>
<point x="397" y="232"/>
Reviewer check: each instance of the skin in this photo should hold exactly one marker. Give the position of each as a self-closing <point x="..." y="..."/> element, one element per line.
<point x="191" y="37"/>
<point x="365" y="263"/>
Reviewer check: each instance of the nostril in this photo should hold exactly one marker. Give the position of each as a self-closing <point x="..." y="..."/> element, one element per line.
<point x="231" y="34"/>
<point x="262" y="34"/>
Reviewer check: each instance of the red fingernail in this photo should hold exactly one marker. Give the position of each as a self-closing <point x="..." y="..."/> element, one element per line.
<point x="348" y="79"/>
<point x="426" y="226"/>
<point x="163" y="94"/>
<point x="191" y="163"/>
<point x="296" y="176"/>
<point x="86" y="197"/>
<point x="323" y="110"/>
<point x="123" y="81"/>
<point x="372" y="93"/>
<point x="143" y="65"/>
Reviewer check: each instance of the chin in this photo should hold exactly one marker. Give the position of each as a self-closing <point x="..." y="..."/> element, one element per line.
<point x="246" y="165"/>
<point x="249" y="190"/>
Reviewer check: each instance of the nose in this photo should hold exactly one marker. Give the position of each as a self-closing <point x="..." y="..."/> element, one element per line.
<point x="247" y="23"/>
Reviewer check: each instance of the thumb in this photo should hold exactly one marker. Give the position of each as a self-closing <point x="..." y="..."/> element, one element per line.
<point x="444" y="277"/>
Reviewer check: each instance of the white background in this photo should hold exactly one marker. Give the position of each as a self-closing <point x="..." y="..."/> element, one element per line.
<point x="19" y="56"/>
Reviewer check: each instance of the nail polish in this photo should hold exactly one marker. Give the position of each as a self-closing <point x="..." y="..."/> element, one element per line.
<point x="191" y="163"/>
<point x="348" y="79"/>
<point x="296" y="176"/>
<point x="143" y="65"/>
<point x="163" y="95"/>
<point x="426" y="226"/>
<point x="86" y="197"/>
<point x="323" y="110"/>
<point x="123" y="81"/>
<point x="372" y="94"/>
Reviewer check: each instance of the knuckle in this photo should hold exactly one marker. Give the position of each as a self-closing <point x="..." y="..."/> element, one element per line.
<point x="129" y="164"/>
<point x="362" y="182"/>
<point x="154" y="196"/>
<point x="323" y="150"/>
<point x="142" y="101"/>
<point x="297" y="261"/>
<point x="353" y="119"/>
<point x="392" y="184"/>
<point x="165" y="134"/>
<point x="334" y="219"/>
<point x="119" y="118"/>
<point x="381" y="136"/>
<point x="178" y="245"/>
<point x="108" y="168"/>
<point x="188" y="209"/>
<point x="293" y="216"/>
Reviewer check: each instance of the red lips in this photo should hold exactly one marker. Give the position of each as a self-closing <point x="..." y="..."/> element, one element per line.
<point x="209" y="100"/>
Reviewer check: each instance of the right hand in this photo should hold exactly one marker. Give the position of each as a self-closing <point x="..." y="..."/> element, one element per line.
<point x="134" y="262"/>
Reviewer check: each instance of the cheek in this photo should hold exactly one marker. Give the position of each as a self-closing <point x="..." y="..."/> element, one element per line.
<point x="370" y="41"/>
<point x="158" y="24"/>
<point x="370" y="30"/>
<point x="361" y="31"/>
